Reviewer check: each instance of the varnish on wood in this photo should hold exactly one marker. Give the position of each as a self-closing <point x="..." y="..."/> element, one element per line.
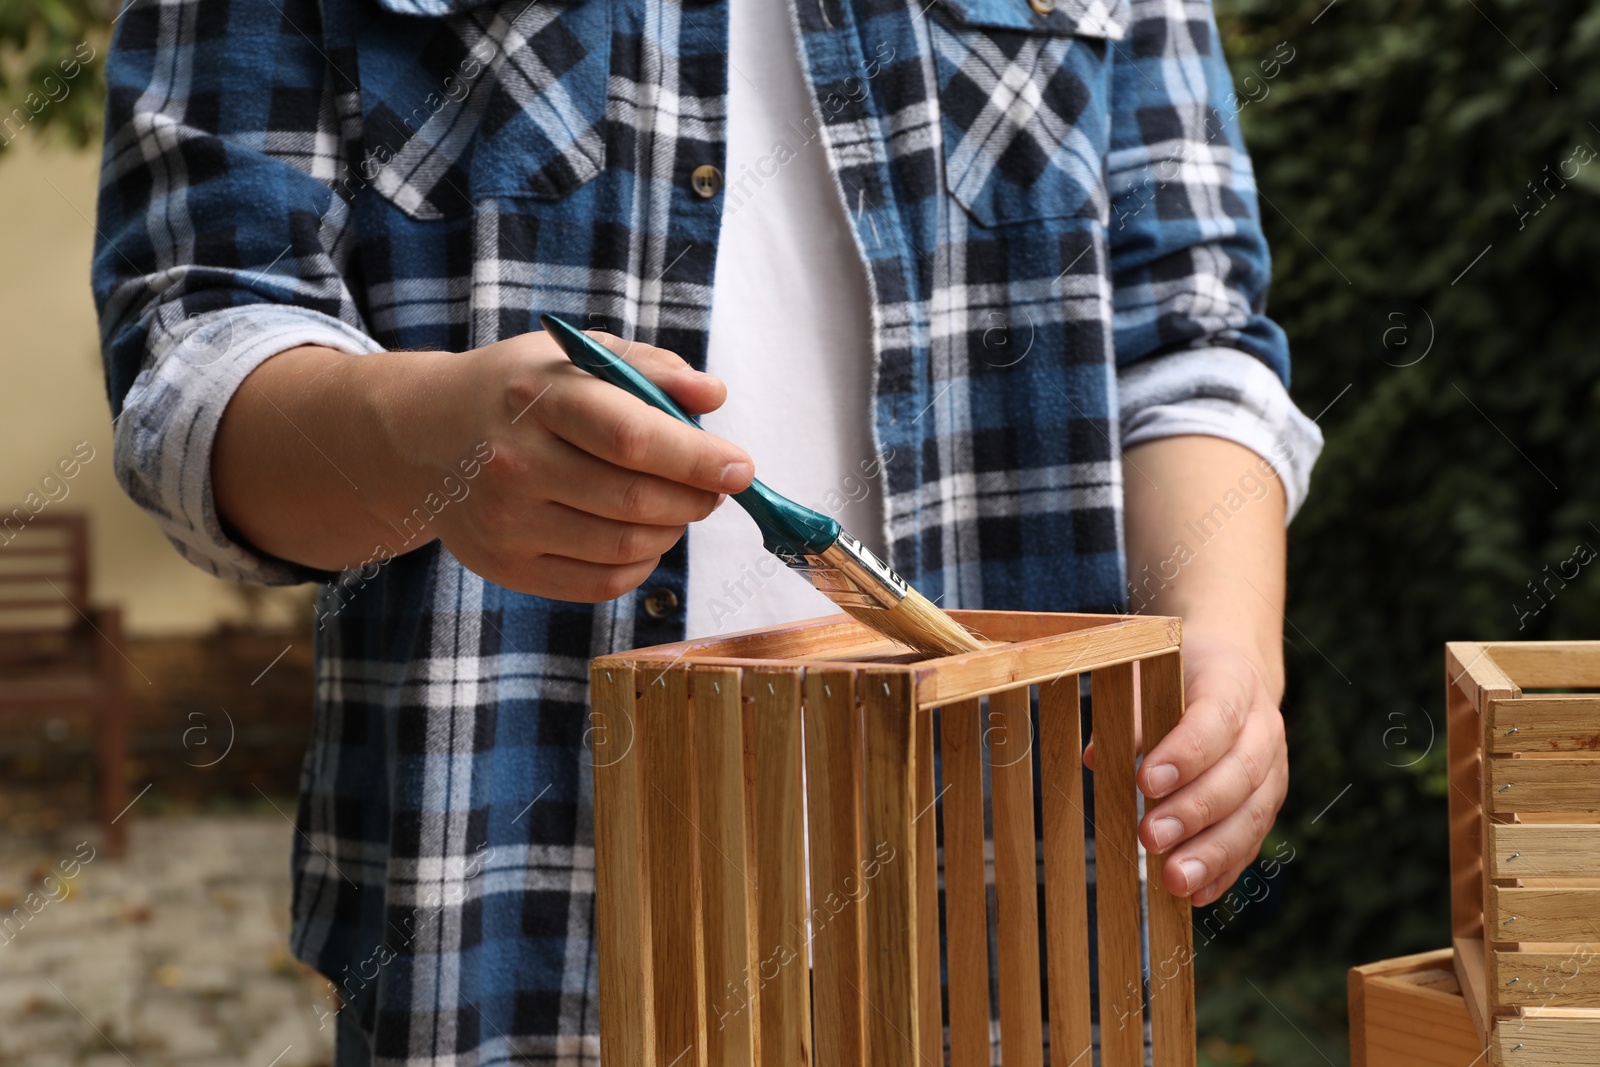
<point x="766" y="861"/>
<point x="1524" y="755"/>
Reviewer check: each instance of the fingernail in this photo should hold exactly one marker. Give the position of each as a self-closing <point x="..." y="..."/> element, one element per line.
<point x="1165" y="832"/>
<point x="1161" y="778"/>
<point x="722" y="498"/>
<point x="736" y="476"/>
<point x="1194" y="873"/>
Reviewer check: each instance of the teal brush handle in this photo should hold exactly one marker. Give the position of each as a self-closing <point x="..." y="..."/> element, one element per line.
<point x="786" y="527"/>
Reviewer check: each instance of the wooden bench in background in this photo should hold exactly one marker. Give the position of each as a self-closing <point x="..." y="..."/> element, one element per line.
<point x="59" y="654"/>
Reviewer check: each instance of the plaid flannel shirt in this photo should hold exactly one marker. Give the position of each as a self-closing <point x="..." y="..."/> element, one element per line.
<point x="1060" y="231"/>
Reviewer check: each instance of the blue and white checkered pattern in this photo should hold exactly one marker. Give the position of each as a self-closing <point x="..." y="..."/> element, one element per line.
<point x="1047" y="206"/>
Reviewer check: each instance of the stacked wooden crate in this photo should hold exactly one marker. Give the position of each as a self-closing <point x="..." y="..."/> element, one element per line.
<point x="1523" y="723"/>
<point x="767" y="862"/>
<point x="1524" y="753"/>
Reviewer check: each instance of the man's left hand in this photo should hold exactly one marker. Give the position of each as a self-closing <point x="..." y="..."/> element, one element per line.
<point x="1220" y="775"/>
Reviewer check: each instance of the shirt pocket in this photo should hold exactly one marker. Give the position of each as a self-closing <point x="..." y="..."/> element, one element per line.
<point x="480" y="100"/>
<point x="1025" y="105"/>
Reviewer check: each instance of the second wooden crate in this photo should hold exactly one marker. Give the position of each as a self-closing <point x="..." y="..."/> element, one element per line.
<point x="718" y="762"/>
<point x="1409" y="1012"/>
<point x="1524" y="753"/>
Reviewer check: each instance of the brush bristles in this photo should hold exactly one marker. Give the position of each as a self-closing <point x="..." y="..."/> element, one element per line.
<point x="863" y="585"/>
<point x="917" y="623"/>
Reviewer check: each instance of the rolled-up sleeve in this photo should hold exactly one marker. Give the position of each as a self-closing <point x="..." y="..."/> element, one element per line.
<point x="169" y="421"/>
<point x="1195" y="350"/>
<point x="221" y="242"/>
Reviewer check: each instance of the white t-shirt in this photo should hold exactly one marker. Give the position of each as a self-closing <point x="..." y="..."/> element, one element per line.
<point x="790" y="335"/>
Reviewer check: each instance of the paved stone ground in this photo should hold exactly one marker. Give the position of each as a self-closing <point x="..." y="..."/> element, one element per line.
<point x="176" y="957"/>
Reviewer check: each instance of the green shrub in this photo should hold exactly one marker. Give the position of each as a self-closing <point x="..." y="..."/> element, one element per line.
<point x="1395" y="148"/>
<point x="51" y="57"/>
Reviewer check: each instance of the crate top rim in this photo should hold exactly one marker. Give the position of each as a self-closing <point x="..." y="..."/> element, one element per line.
<point x="1501" y="670"/>
<point x="1032" y="647"/>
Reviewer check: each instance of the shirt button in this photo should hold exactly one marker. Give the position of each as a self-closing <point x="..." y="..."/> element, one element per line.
<point x="1043" y="7"/>
<point x="659" y="603"/>
<point x="706" y="181"/>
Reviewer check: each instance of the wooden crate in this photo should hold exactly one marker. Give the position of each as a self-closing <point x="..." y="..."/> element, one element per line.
<point x="1524" y="754"/>
<point x="1409" y="1012"/>
<point x="718" y="762"/>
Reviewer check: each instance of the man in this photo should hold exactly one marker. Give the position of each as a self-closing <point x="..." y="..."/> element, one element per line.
<point x="988" y="271"/>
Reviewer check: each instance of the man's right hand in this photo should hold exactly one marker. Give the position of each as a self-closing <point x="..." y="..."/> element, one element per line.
<point x="577" y="487"/>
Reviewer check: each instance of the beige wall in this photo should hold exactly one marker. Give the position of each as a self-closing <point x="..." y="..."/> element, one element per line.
<point x="52" y="396"/>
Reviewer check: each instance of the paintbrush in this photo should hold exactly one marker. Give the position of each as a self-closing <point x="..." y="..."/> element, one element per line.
<point x="838" y="565"/>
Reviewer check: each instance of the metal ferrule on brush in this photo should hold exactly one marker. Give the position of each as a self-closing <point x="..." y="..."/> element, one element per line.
<point x="847" y="573"/>
<point x="840" y="567"/>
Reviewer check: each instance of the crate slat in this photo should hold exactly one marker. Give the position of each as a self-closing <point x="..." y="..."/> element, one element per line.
<point x="1016" y="878"/>
<point x="1546" y="724"/>
<point x="838" y="911"/>
<point x="965" y="891"/>
<point x="1471" y="970"/>
<point x="1117" y="868"/>
<point x="1526" y="914"/>
<point x="925" y="825"/>
<point x="1172" y="1021"/>
<point x="1544" y="850"/>
<point x="669" y="806"/>
<point x="785" y="999"/>
<point x="1487" y="693"/>
<point x="888" y="709"/>
<point x="1413" y="1027"/>
<point x="1464" y="738"/>
<point x="1559" y="785"/>
<point x="1547" y="1041"/>
<point x="1066" y="903"/>
<point x="727" y="871"/>
<point x="621" y="923"/>
<point x="1568" y="979"/>
<point x="1548" y="664"/>
<point x="1041" y="659"/>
